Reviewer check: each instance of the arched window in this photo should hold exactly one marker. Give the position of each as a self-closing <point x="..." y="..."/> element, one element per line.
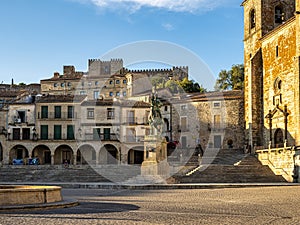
<point x="277" y="85"/>
<point x="279" y="15"/>
<point x="252" y="18"/>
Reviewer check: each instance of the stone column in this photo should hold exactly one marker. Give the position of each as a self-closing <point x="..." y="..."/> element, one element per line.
<point x="97" y="157"/>
<point x="52" y="159"/>
<point x="74" y="158"/>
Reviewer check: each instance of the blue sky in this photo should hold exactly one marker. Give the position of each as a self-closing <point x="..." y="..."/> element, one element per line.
<point x="38" y="37"/>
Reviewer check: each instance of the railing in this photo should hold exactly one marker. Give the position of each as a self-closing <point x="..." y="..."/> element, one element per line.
<point x="136" y="120"/>
<point x="100" y="137"/>
<point x="280" y="160"/>
<point x="57" y="116"/>
<point x="134" y="139"/>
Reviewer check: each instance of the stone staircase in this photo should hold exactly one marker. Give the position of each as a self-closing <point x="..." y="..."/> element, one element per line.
<point x="228" y="166"/>
<point x="58" y="173"/>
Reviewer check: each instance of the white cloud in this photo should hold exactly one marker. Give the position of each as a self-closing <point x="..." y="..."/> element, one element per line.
<point x="168" y="26"/>
<point x="171" y="5"/>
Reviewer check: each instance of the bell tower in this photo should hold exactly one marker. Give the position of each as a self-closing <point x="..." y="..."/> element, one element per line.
<point x="253" y="32"/>
<point x="260" y="18"/>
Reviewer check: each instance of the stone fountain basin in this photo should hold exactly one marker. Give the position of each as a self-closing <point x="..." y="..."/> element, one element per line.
<point x="28" y="195"/>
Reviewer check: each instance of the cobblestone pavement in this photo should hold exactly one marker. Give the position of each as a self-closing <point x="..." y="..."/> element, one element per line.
<point x="261" y="205"/>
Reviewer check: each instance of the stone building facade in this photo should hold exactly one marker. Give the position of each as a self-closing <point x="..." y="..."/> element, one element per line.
<point x="272" y="62"/>
<point x="213" y="119"/>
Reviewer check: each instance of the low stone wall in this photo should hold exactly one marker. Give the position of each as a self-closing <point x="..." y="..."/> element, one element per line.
<point x="28" y="195"/>
<point x="280" y="160"/>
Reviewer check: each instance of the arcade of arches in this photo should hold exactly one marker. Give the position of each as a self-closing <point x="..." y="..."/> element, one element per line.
<point x="84" y="154"/>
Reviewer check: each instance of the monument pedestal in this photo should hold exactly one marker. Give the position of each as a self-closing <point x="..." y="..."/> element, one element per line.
<point x="155" y="164"/>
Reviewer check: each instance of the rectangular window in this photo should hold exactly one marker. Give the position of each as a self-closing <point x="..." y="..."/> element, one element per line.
<point x="96" y="134"/>
<point x="44" y="132"/>
<point x="25" y="133"/>
<point x="90" y="113"/>
<point x="16" y="134"/>
<point x="217" y="121"/>
<point x="106" y="134"/>
<point x="70" y="132"/>
<point x="82" y="93"/>
<point x="57" y="112"/>
<point x="110" y="113"/>
<point x="96" y="94"/>
<point x="22" y="116"/>
<point x="147" y="131"/>
<point x="131" y="134"/>
<point x="217" y="141"/>
<point x="183" y="108"/>
<point x="57" y="132"/>
<point x="183" y="141"/>
<point x="130" y="117"/>
<point x="111" y="94"/>
<point x="183" y="123"/>
<point x="124" y="93"/>
<point x="70" y="112"/>
<point x="44" y="112"/>
<point x="216" y="104"/>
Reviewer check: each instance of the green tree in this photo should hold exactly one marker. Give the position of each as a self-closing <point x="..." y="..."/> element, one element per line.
<point x="191" y="86"/>
<point x="232" y="79"/>
<point x="173" y="86"/>
<point x="158" y="82"/>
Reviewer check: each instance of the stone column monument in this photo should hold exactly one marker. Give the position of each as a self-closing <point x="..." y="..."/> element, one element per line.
<point x="155" y="167"/>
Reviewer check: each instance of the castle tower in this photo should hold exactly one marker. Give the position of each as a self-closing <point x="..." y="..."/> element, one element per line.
<point x="253" y="70"/>
<point x="297" y="67"/>
<point x="260" y="18"/>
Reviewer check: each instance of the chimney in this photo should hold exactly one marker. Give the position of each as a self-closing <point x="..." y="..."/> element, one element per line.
<point x="56" y="75"/>
<point x="69" y="70"/>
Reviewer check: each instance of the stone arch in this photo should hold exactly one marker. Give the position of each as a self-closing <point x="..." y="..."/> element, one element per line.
<point x="62" y="154"/>
<point x="136" y="155"/>
<point x="108" y="154"/>
<point x="278" y="138"/>
<point x="86" y="154"/>
<point x="43" y="153"/>
<point x="277" y="85"/>
<point x="18" y="152"/>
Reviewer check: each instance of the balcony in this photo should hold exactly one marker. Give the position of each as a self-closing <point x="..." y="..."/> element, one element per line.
<point x="133" y="139"/>
<point x="100" y="137"/>
<point x="217" y="127"/>
<point x="136" y="120"/>
<point x="57" y="116"/>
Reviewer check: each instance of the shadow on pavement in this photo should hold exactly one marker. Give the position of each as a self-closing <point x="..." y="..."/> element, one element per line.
<point x="82" y="208"/>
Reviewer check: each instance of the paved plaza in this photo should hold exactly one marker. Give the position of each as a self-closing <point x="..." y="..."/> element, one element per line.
<point x="256" y="205"/>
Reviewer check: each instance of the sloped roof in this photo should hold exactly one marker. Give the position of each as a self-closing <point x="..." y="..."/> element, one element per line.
<point x="122" y="103"/>
<point x="60" y="98"/>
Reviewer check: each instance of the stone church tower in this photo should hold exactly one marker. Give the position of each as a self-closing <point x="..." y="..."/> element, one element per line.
<point x="271" y="59"/>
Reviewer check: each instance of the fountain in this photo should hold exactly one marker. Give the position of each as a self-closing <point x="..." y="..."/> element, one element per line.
<point x="32" y="197"/>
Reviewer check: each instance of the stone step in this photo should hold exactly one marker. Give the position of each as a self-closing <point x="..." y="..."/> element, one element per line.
<point x="77" y="174"/>
<point x="225" y="169"/>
